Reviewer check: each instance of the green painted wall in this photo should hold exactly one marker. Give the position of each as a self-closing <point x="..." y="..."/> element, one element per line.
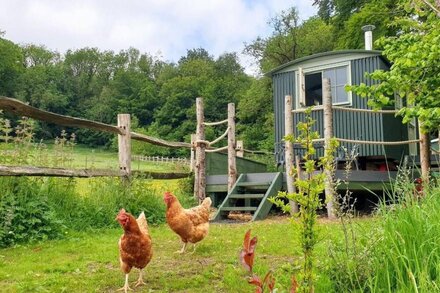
<point x="217" y="164"/>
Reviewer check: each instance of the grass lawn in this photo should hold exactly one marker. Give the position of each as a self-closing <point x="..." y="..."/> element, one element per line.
<point x="84" y="157"/>
<point x="88" y="261"/>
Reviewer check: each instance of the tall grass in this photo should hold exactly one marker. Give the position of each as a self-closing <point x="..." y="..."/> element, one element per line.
<point x="407" y="257"/>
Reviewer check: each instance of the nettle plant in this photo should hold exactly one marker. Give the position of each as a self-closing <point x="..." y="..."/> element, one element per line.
<point x="309" y="183"/>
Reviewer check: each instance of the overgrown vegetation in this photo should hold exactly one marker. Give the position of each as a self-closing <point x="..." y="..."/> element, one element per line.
<point x="42" y="208"/>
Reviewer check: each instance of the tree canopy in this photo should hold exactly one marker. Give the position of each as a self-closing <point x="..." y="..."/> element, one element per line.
<point x="415" y="72"/>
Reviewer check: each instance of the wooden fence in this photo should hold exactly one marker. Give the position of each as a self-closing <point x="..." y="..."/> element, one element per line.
<point x="125" y="135"/>
<point x="328" y="108"/>
<point x="199" y="146"/>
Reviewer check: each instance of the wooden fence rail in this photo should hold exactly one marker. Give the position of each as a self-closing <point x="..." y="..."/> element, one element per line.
<point x="124" y="137"/>
<point x="160" y="159"/>
<point x="19" y="108"/>
<point x="81" y="173"/>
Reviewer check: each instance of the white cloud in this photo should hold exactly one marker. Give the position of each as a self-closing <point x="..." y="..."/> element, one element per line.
<point x="167" y="26"/>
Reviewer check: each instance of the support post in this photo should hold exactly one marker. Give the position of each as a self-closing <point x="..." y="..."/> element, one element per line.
<point x="232" y="165"/>
<point x="124" y="145"/>
<point x="240" y="149"/>
<point x="192" y="159"/>
<point x="328" y="134"/>
<point x="200" y="172"/>
<point x="425" y="157"/>
<point x="288" y="149"/>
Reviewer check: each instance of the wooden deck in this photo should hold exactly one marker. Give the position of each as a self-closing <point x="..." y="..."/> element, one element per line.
<point x="358" y="180"/>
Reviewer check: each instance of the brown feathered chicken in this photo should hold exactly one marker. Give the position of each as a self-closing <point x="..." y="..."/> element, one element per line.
<point x="134" y="245"/>
<point x="192" y="225"/>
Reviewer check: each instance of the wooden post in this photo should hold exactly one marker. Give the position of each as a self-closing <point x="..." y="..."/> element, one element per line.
<point x="192" y="158"/>
<point x="200" y="172"/>
<point x="328" y="134"/>
<point x="124" y="145"/>
<point x="232" y="165"/>
<point x="288" y="150"/>
<point x="240" y="149"/>
<point x="425" y="156"/>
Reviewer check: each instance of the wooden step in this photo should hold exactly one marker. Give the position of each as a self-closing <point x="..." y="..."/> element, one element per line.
<point x="247" y="195"/>
<point x="244" y="209"/>
<point x="252" y="184"/>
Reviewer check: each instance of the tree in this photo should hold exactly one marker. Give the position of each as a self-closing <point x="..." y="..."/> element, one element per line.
<point x="415" y="72"/>
<point x="348" y="16"/>
<point x="11" y="65"/>
<point x="290" y="40"/>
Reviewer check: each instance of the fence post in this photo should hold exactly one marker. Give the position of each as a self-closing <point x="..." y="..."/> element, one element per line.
<point x="328" y="134"/>
<point x="232" y="166"/>
<point x="124" y="145"/>
<point x="425" y="156"/>
<point x="200" y="172"/>
<point x="288" y="151"/>
<point x="240" y="149"/>
<point x="192" y="158"/>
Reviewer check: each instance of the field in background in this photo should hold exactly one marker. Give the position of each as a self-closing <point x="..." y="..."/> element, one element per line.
<point x="83" y="157"/>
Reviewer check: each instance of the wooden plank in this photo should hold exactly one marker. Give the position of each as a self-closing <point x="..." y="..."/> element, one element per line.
<point x="159" y="142"/>
<point x="124" y="145"/>
<point x="21" y="109"/>
<point x="265" y="205"/>
<point x="248" y="195"/>
<point x="253" y="184"/>
<point x="81" y="173"/>
<point x="200" y="167"/>
<point x="232" y="162"/>
<point x="240" y="149"/>
<point x="288" y="149"/>
<point x="425" y="152"/>
<point x="328" y="134"/>
<point x="220" y="212"/>
<point x="244" y="209"/>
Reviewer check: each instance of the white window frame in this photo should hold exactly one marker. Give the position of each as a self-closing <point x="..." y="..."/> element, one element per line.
<point x="321" y="68"/>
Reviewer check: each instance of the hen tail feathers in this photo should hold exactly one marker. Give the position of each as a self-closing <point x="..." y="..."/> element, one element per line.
<point x="207" y="203"/>
<point x="142" y="222"/>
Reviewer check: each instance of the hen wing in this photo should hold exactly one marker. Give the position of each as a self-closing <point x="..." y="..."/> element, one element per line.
<point x="199" y="214"/>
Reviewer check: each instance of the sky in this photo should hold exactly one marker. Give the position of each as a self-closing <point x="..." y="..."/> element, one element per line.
<point x="163" y="28"/>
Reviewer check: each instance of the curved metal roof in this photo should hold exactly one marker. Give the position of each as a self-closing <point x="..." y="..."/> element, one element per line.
<point x="323" y="54"/>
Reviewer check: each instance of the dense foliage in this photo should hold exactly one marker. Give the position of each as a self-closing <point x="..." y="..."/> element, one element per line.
<point x="414" y="74"/>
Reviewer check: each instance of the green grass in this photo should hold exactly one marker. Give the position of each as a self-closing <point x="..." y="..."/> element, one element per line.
<point x="84" y="157"/>
<point x="88" y="261"/>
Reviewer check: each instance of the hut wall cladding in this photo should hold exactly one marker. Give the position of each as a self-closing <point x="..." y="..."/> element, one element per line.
<point x="362" y="126"/>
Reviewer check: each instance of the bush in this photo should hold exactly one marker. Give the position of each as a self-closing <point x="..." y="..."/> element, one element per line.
<point x="25" y="212"/>
<point x="34" y="209"/>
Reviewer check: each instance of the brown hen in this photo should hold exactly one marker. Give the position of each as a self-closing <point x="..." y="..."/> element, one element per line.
<point x="192" y="225"/>
<point x="134" y="245"/>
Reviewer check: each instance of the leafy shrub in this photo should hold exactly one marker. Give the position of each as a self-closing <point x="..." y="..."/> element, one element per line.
<point x="25" y="212"/>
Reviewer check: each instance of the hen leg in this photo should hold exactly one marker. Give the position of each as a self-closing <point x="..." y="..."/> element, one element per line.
<point x="183" y="248"/>
<point x="126" y="287"/>
<point x="140" y="280"/>
<point x="194" y="248"/>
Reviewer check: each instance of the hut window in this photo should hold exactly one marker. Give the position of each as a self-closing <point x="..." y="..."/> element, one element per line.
<point x="313" y="86"/>
<point x="338" y="79"/>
